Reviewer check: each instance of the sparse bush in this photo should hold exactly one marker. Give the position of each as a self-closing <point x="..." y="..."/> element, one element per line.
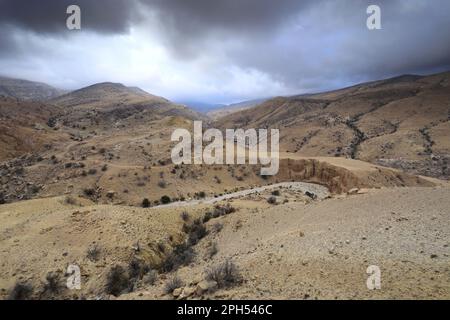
<point x="137" y="269"/>
<point x="93" y="253"/>
<point x="197" y="231"/>
<point x="212" y="250"/>
<point x="161" y="247"/>
<point x="70" y="200"/>
<point x="92" y="171"/>
<point x="21" y="291"/>
<point x="105" y="167"/>
<point x="221" y="210"/>
<point x="146" y="203"/>
<point x="207" y="216"/>
<point x="117" y="281"/>
<point x="185" y="216"/>
<point x="53" y="283"/>
<point x="51" y="122"/>
<point x="201" y="195"/>
<point x="272" y="200"/>
<point x="34" y="189"/>
<point x="68" y="165"/>
<point x="217" y="227"/>
<point x="150" y="278"/>
<point x="172" y="284"/>
<point x="162" y="184"/>
<point x="19" y="171"/>
<point x="181" y="255"/>
<point x="311" y="195"/>
<point x="165" y="199"/>
<point x="226" y="274"/>
<point x="276" y="193"/>
<point x="89" y="192"/>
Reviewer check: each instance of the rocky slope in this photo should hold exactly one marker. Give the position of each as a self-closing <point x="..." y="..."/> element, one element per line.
<point x="319" y="249"/>
<point x="24" y="127"/>
<point x="402" y="122"/>
<point x="121" y="101"/>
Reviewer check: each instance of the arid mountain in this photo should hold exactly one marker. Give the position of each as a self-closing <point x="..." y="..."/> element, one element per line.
<point x="115" y="97"/>
<point x="27" y="90"/>
<point x="105" y="95"/>
<point x="402" y="122"/>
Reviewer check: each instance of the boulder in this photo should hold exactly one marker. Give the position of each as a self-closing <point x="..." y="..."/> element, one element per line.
<point x="205" y="286"/>
<point x="110" y="194"/>
<point x="187" y="292"/>
<point x="177" y="292"/>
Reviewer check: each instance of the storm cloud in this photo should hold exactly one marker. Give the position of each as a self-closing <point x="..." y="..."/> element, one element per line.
<point x="223" y="50"/>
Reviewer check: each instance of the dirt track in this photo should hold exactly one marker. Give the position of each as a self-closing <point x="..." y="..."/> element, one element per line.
<point x="319" y="191"/>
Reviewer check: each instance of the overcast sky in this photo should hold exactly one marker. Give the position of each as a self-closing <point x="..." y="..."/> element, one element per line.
<point x="222" y="51"/>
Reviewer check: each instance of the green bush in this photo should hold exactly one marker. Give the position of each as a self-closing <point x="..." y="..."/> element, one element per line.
<point x="146" y="203"/>
<point x="165" y="199"/>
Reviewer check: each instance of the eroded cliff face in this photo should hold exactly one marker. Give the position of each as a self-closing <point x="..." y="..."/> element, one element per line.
<point x="340" y="179"/>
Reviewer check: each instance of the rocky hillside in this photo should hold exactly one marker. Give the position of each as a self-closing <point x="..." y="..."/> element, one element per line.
<point x="24" y="127"/>
<point x="121" y="100"/>
<point x="402" y="122"/>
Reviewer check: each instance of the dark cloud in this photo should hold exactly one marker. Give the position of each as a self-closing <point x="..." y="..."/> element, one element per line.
<point x="49" y="16"/>
<point x="218" y="48"/>
<point x="196" y="17"/>
<point x="190" y="24"/>
<point x="331" y="46"/>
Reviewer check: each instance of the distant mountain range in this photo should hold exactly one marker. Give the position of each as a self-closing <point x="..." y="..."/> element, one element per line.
<point x="232" y="108"/>
<point x="199" y="106"/>
<point x="109" y="94"/>
<point x="215" y="111"/>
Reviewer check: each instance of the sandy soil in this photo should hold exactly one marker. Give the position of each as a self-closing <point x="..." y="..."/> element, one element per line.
<point x="321" y="250"/>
